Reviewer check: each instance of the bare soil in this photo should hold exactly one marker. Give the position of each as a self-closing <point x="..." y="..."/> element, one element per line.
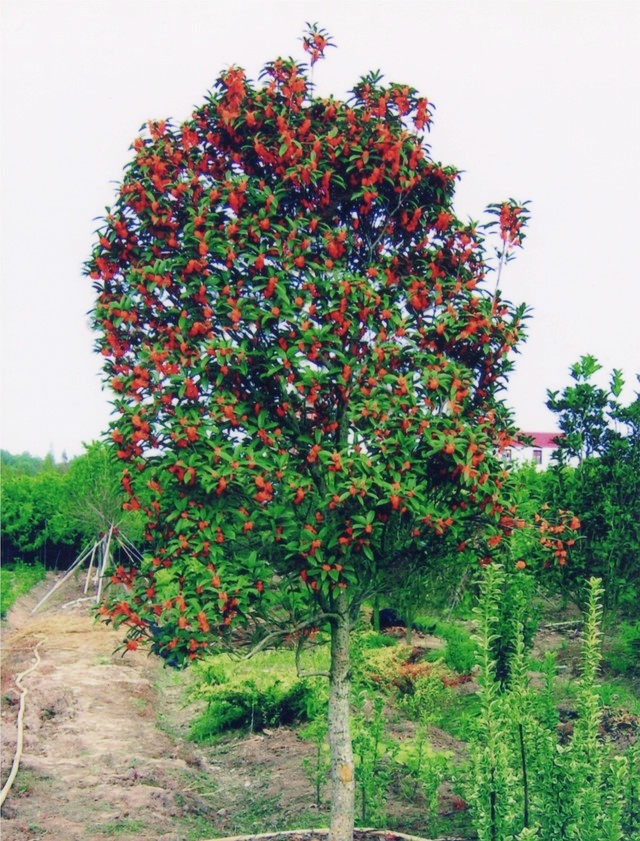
<point x="105" y="750"/>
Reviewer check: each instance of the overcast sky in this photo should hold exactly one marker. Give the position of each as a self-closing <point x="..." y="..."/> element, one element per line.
<point x="534" y="100"/>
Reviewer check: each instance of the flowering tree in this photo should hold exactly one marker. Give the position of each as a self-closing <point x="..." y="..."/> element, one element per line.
<point x="306" y="360"/>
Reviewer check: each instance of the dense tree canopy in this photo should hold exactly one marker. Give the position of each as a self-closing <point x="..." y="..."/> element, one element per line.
<point x="306" y="355"/>
<point x="297" y="331"/>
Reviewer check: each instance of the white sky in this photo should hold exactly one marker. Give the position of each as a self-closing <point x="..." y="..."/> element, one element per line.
<point x="535" y="100"/>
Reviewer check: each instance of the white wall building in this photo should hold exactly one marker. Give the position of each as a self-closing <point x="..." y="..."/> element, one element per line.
<point x="539" y="451"/>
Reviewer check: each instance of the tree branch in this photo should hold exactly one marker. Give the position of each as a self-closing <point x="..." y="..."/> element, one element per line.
<point x="280" y="633"/>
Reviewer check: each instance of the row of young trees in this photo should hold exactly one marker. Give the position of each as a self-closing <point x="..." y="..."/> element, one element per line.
<point x="307" y="350"/>
<point x="51" y="511"/>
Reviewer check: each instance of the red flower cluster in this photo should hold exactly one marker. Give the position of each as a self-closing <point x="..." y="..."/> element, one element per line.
<point x="304" y="359"/>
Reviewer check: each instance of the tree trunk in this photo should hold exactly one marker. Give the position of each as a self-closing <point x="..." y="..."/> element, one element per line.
<point x="375" y="619"/>
<point x="342" y="769"/>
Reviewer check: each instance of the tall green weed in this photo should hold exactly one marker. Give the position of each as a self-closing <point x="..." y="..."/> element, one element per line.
<point x="523" y="783"/>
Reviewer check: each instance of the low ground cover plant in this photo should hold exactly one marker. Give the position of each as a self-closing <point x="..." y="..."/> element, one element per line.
<point x="248" y="696"/>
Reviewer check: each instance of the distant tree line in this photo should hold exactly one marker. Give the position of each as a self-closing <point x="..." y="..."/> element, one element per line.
<point x="50" y="510"/>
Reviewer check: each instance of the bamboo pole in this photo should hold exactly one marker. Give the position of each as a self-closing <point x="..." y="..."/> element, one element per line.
<point x="105" y="560"/>
<point x="93" y="554"/>
<point x="79" y="560"/>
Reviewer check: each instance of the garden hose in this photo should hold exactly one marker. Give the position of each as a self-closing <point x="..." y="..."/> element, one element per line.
<point x="20" y="723"/>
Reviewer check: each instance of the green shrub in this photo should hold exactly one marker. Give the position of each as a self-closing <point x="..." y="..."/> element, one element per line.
<point x="373" y="640"/>
<point x="460" y="654"/>
<point x="425" y="626"/>
<point x="17" y="580"/>
<point x="249" y="707"/>
<point x="623" y="651"/>
<point x="460" y="651"/>
<point x="263" y="691"/>
<point x="431" y="699"/>
<point x="462" y="721"/>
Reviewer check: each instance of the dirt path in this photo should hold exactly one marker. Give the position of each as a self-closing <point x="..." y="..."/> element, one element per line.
<point x="97" y="765"/>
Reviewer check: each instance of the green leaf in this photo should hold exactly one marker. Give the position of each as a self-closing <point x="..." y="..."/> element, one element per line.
<point x="617" y="382"/>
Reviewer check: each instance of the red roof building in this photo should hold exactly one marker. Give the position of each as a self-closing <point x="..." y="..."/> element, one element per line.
<point x="539" y="451"/>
